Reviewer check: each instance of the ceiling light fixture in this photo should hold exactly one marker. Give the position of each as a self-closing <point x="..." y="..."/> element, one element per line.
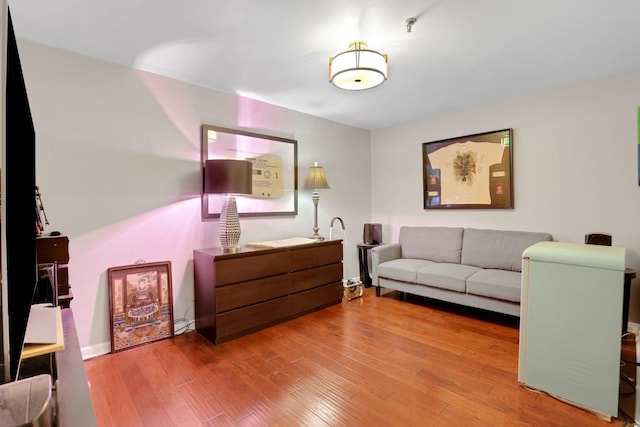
<point x="358" y="68"/>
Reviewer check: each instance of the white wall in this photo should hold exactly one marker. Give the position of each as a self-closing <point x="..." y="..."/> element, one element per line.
<point x="118" y="166"/>
<point x="575" y="166"/>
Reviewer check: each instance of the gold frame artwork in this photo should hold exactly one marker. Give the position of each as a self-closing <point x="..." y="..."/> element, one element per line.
<point x="140" y="304"/>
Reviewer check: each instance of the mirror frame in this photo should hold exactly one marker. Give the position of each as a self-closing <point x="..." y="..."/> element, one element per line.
<point x="275" y="171"/>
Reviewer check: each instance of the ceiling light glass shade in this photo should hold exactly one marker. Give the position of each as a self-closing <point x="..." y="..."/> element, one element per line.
<point x="358" y="68"/>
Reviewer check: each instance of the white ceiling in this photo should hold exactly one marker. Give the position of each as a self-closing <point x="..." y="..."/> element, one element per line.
<point x="460" y="53"/>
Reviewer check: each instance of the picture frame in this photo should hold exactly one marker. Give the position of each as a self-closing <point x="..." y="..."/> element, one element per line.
<point x="275" y="171"/>
<point x="140" y="304"/>
<point x="469" y="172"/>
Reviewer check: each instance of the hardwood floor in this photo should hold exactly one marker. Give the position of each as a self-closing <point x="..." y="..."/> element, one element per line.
<point x="371" y="361"/>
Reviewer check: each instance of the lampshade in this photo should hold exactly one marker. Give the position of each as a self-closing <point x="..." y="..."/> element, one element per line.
<point x="316" y="179"/>
<point x="358" y="68"/>
<point x="228" y="176"/>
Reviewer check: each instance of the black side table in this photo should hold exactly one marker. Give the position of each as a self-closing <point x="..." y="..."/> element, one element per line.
<point x="629" y="273"/>
<point x="363" y="259"/>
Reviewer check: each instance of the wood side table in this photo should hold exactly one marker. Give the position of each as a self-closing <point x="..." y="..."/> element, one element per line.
<point x="629" y="274"/>
<point x="363" y="261"/>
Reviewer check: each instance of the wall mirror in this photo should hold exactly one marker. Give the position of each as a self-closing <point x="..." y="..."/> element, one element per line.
<point x="275" y="171"/>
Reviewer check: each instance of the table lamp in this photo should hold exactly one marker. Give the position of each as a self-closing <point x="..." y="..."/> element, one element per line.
<point x="316" y="181"/>
<point x="228" y="177"/>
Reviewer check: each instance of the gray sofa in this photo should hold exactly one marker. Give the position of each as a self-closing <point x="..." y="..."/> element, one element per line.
<point x="468" y="266"/>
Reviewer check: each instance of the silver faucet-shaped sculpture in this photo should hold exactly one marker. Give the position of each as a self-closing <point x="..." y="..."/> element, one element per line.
<point x="339" y="219"/>
<point x="331" y="225"/>
<point x="352" y="287"/>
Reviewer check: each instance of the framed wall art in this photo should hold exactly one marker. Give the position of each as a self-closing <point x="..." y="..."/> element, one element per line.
<point x="275" y="171"/>
<point x="140" y="304"/>
<point x="469" y="172"/>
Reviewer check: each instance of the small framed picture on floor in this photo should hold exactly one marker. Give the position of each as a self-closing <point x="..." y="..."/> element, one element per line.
<point x="140" y="304"/>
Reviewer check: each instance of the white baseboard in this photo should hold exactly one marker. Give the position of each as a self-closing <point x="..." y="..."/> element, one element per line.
<point x="95" y="350"/>
<point x="105" y="347"/>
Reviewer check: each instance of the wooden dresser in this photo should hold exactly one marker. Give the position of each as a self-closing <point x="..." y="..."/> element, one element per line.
<point x="251" y="289"/>
<point x="52" y="254"/>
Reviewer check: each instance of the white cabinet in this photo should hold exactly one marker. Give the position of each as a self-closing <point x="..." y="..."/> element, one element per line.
<point x="571" y="310"/>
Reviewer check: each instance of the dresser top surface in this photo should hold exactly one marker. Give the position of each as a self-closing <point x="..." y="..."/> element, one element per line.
<point x="247" y="250"/>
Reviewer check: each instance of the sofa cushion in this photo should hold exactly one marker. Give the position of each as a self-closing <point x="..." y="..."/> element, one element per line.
<point x="499" y="284"/>
<point x="499" y="249"/>
<point x="438" y="244"/>
<point x="446" y="276"/>
<point x="403" y="269"/>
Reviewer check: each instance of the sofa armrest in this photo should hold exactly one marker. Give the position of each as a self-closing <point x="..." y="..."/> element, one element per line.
<point x="383" y="253"/>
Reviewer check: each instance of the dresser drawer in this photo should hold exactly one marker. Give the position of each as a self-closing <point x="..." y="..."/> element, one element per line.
<point x="304" y="302"/>
<point x="236" y="270"/>
<point x="315" y="255"/>
<point x="248" y="319"/>
<point x="314" y="277"/>
<point x="63" y="280"/>
<point x="246" y="293"/>
<point x="52" y="249"/>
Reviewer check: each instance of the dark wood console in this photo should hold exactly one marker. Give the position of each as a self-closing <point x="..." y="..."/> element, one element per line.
<point x="73" y="397"/>
<point x="251" y="289"/>
<point x="52" y="254"/>
<point x="71" y="393"/>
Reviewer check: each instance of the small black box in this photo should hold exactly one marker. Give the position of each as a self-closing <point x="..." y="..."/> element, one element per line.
<point x="372" y="234"/>
<point x="597" y="239"/>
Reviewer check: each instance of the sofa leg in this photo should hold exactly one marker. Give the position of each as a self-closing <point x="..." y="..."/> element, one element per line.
<point x="377" y="291"/>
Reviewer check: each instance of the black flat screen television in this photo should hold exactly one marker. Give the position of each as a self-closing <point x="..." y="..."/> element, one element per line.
<point x="19" y="202"/>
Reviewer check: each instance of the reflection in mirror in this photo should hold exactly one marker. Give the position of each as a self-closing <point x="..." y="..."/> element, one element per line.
<point x="275" y="171"/>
